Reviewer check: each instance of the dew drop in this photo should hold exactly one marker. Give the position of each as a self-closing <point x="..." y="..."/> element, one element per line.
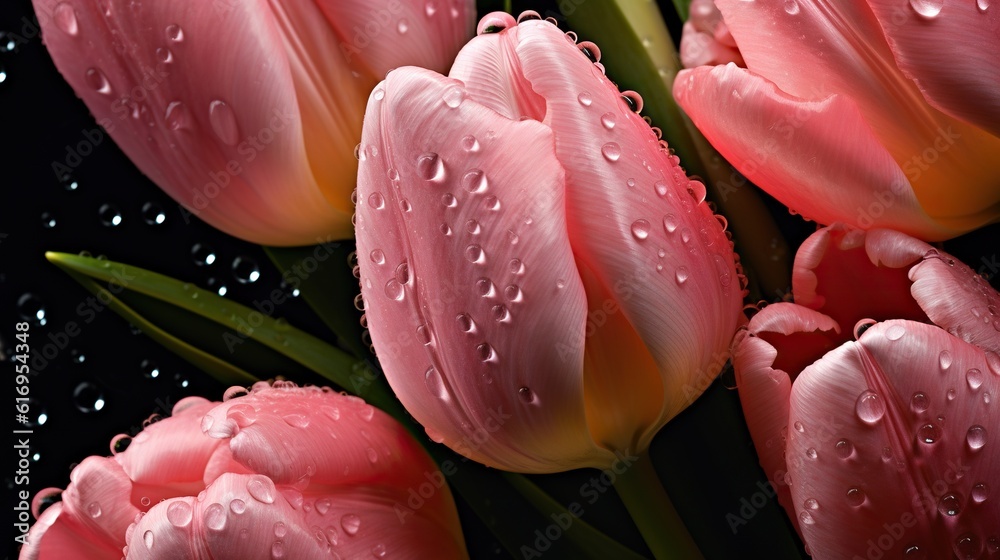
<point x="919" y="402"/>
<point x="177" y="116"/>
<point x="88" y="397"/>
<point x="202" y="254"/>
<point x="927" y="8"/>
<point x="94" y="510"/>
<point x="424" y="335"/>
<point x="475" y="254"/>
<point x="633" y="100"/>
<point x="474" y="181"/>
<point x="670" y="223"/>
<point x="245" y="270"/>
<point x="929" y="433"/>
<point x="465" y="322"/>
<point x="812" y="453"/>
<point x="470" y="144"/>
<point x="179" y="514"/>
<point x="110" y="215"/>
<point x="976" y="437"/>
<point x="472" y="226"/>
<point x="944" y="360"/>
<point x="164" y="55"/>
<point x="430" y="167"/>
<point x="394" y="290"/>
<point x="661" y="189"/>
<point x="376" y="201"/>
<point x="223" y="120"/>
<point x="48" y="220"/>
<point x="844" y="448"/>
<point x="585" y="99"/>
<point x="484" y="287"/>
<point x="811" y="503"/>
<point x="215" y="517"/>
<point x="175" y="33"/>
<point x="65" y="18"/>
<point x="855" y="497"/>
<point x="153" y="214"/>
<point x="31" y="308"/>
<point x="640" y="229"/>
<point x="975" y="378"/>
<point x="485" y="352"/>
<point x="791" y="7"/>
<point x="608" y="120"/>
<point x="980" y="492"/>
<point x="512" y="293"/>
<point x="869" y="407"/>
<point x="681" y="275"/>
<point x="895" y="332"/>
<point x="950" y="505"/>
<point x="612" y="151"/>
<point x="98" y="81"/>
<point x="526" y="395"/>
<point x="500" y="313"/>
<point x="983" y="5"/>
<point x="377" y="256"/>
<point x="453" y="97"/>
<point x="351" y="524"/>
<point x="261" y="489"/>
<point x="434" y="383"/>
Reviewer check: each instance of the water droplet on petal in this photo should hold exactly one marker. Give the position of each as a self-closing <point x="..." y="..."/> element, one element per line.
<point x="394" y="290"/>
<point x="261" y="489"/>
<point x="976" y="437"/>
<point x="94" y="510"/>
<point x="844" y="448"/>
<point x="237" y="506"/>
<point x="585" y="99"/>
<point x="950" y="505"/>
<point x="475" y="254"/>
<point x="927" y="8"/>
<point x="351" y="524"/>
<point x="975" y="378"/>
<point x="681" y="275"/>
<point x="98" y="81"/>
<point x="175" y="33"/>
<point x="670" y="223"/>
<point x="791" y="7"/>
<point x="980" y="492"/>
<point x="612" y="151"/>
<point x="869" y="407"/>
<point x="608" y="120"/>
<point x="944" y="360"/>
<point x="475" y="181"/>
<point x="453" y="96"/>
<point x="526" y="395"/>
<point x="434" y="383"/>
<point x="929" y="433"/>
<point x="465" y="322"/>
<point x="377" y="256"/>
<point x="179" y="514"/>
<point x="919" y="402"/>
<point x="895" y="332"/>
<point x="215" y="517"/>
<point x="470" y="144"/>
<point x="983" y="5"/>
<point x="640" y="229"/>
<point x="376" y="201"/>
<point x="223" y="121"/>
<point x="855" y="497"/>
<point x="147" y="539"/>
<point x="65" y="18"/>
<point x="806" y="518"/>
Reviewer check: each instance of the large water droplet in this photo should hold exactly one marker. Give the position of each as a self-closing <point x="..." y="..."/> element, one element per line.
<point x="394" y="290"/>
<point x="430" y="167"/>
<point x="976" y="437"/>
<point x="351" y="524"/>
<point x="65" y="18"/>
<point x="179" y="514"/>
<point x="174" y="33"/>
<point x="927" y="8"/>
<point x="869" y="407"/>
<point x="929" y="433"/>
<point x="377" y="256"/>
<point x="261" y="489"/>
<point x="950" y="505"/>
<point x="640" y="229"/>
<point x="611" y="151"/>
<point x="474" y="181"/>
<point x="215" y="517"/>
<point x="855" y="497"/>
<point x="919" y="402"/>
<point x="434" y="383"/>
<point x="223" y="120"/>
<point x="975" y="378"/>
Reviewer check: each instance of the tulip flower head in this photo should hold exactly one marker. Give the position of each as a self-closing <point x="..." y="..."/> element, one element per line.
<point x="543" y="284"/>
<point x="884" y="442"/>
<point x="245" y="111"/>
<point x="281" y="472"/>
<point x="844" y="113"/>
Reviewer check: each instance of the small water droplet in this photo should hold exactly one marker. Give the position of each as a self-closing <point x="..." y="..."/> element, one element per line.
<point x="975" y="378"/>
<point x="261" y="489"/>
<point x="377" y="256"/>
<point x="944" y="360"/>
<point x="223" y="120"/>
<point x="500" y="313"/>
<point x="526" y="395"/>
<point x="153" y="214"/>
<point x="48" y="220"/>
<point x="950" y="505"/>
<point x="215" y="517"/>
<point x="812" y="453"/>
<point x="869" y="407"/>
<point x="98" y="81"/>
<point x="950" y="395"/>
<point x="474" y="181"/>
<point x="430" y="167"/>
<point x="512" y="293"/>
<point x="811" y="503"/>
<point x="611" y="151"/>
<point x="681" y="275"/>
<point x="844" y="448"/>
<point x="351" y="524"/>
<point x="485" y="352"/>
<point x="895" y="332"/>
<point x="983" y="5"/>
<point x="202" y="254"/>
<point x="927" y="8"/>
<point x="914" y="552"/>
<point x="434" y="383"/>
<point x="164" y="55"/>
<point x="976" y="437"/>
<point x="88" y="397"/>
<point x="245" y="270"/>
<point x="980" y="492"/>
<point x="855" y="497"/>
<point x="65" y="18"/>
<point x="465" y="322"/>
<point x="472" y="226"/>
<point x="475" y="254"/>
<point x="179" y="514"/>
<point x="608" y="120"/>
<point x="806" y="518"/>
<point x="929" y="433"/>
<point x="402" y="26"/>
<point x="453" y="97"/>
<point x="670" y="223"/>
<point x="175" y="33"/>
<point x="585" y="99"/>
<point x="791" y="7"/>
<point x="394" y="290"/>
<point x="484" y="287"/>
<point x="376" y="201"/>
<point x="919" y="402"/>
<point x="640" y="229"/>
<point x="110" y="215"/>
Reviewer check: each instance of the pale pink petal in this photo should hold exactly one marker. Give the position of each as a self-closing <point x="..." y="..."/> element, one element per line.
<point x="819" y="157"/>
<point x="849" y="276"/>
<point x="908" y="467"/>
<point x="701" y="49"/>
<point x="961" y="75"/>
<point x="98" y="499"/>
<point x="56" y="535"/>
<point x="663" y="290"/>
<point x="202" y="99"/>
<point x="246" y="517"/>
<point x="462" y="244"/>
<point x="813" y="50"/>
<point x="378" y="36"/>
<point x="169" y="457"/>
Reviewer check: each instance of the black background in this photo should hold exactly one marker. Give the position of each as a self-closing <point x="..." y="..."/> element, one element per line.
<point x="39" y="211"/>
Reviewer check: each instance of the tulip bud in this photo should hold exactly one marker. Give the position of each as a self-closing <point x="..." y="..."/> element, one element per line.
<point x="544" y="285"/>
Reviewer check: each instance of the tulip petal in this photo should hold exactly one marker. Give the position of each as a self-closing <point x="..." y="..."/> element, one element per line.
<point x="961" y="75"/>
<point x="796" y="150"/>
<point x="845" y="53"/>
<point x="56" y="535"/>
<point x="378" y="36"/>
<point x="849" y="276"/>
<point x="908" y="467"/>
<point x="465" y="263"/>
<point x="225" y="136"/>
<point x="168" y="459"/>
<point x="98" y="500"/>
<point x="774" y="334"/>
<point x="655" y="260"/>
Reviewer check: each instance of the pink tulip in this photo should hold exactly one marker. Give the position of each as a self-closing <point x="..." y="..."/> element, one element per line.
<point x="876" y="114"/>
<point x="246" y="112"/>
<point x="881" y="445"/>
<point x="706" y="39"/>
<point x="544" y="285"/>
<point x="283" y="472"/>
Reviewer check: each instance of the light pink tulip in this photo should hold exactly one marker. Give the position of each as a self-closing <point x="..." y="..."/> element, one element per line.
<point x="283" y="472"/>
<point x="876" y="114"/>
<point x="246" y="112"/>
<point x="881" y="437"/>
<point x="544" y="285"/>
<point x="706" y="39"/>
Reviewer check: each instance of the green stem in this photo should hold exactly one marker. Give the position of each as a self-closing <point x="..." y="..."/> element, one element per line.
<point x="508" y="6"/>
<point x="653" y="513"/>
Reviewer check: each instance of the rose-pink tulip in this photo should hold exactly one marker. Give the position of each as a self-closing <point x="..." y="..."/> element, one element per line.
<point x="246" y="112"/>
<point x="281" y="472"/>
<point x="882" y="444"/>
<point x="874" y="113"/>
<point x="543" y="284"/>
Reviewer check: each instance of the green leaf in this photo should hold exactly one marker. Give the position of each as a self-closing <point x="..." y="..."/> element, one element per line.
<point x="683" y="8"/>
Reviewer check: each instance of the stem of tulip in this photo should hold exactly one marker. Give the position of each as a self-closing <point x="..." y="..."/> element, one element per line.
<point x="650" y="507"/>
